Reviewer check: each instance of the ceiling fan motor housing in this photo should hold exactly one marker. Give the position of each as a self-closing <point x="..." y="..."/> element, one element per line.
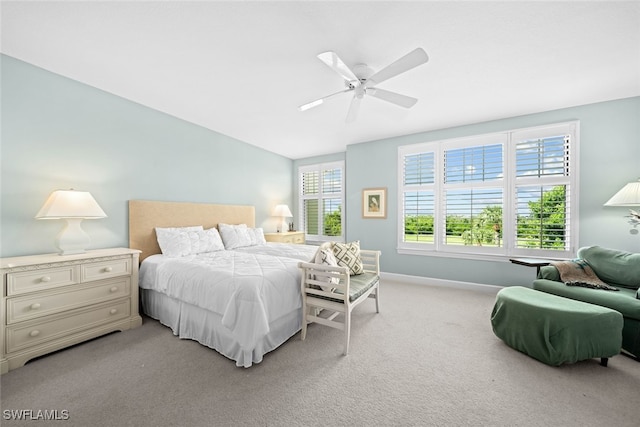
<point x="362" y="72"/>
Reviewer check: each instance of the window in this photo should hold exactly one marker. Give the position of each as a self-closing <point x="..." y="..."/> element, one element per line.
<point x="321" y="201"/>
<point x="504" y="194"/>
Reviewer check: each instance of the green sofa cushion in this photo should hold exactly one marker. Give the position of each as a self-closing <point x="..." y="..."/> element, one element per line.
<point x="618" y="268"/>
<point x="623" y="301"/>
<point x="549" y="272"/>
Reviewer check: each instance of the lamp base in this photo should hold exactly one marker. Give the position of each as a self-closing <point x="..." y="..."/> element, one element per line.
<point x="282" y="226"/>
<point x="72" y="239"/>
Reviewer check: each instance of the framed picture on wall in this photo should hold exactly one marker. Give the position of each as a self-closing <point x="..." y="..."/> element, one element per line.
<point x="374" y="203"/>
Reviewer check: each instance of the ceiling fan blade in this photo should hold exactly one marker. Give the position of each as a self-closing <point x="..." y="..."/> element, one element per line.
<point x="320" y="101"/>
<point x="393" y="97"/>
<point x="411" y="60"/>
<point x="353" y="109"/>
<point x="335" y="63"/>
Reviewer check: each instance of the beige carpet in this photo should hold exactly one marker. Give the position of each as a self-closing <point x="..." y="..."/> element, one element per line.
<point x="428" y="359"/>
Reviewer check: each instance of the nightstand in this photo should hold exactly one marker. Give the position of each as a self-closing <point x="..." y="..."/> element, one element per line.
<point x="286" y="237"/>
<point x="52" y="301"/>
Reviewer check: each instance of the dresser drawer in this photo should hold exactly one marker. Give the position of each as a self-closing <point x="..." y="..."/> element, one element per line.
<point x="294" y="238"/>
<point x="105" y="269"/>
<point x="45" y="303"/>
<point x="28" y="281"/>
<point x="298" y="239"/>
<point x="28" y="334"/>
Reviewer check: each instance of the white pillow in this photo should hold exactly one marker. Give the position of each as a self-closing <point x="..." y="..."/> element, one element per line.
<point x="326" y="257"/>
<point x="234" y="236"/>
<point x="258" y="236"/>
<point x="173" y="241"/>
<point x="202" y="241"/>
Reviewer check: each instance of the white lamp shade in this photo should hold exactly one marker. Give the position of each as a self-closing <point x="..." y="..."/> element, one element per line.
<point x="70" y="204"/>
<point x="629" y="195"/>
<point x="282" y="210"/>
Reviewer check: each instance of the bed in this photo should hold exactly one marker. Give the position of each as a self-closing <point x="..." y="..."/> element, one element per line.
<point x="242" y="302"/>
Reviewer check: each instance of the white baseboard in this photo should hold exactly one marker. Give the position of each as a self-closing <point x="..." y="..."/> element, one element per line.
<point x="430" y="281"/>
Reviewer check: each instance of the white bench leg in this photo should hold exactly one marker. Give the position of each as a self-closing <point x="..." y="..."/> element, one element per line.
<point x="377" y="298"/>
<point x="303" y="332"/>
<point x="347" y="331"/>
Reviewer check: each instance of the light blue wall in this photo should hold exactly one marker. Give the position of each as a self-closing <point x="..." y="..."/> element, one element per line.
<point x="58" y="133"/>
<point x="609" y="158"/>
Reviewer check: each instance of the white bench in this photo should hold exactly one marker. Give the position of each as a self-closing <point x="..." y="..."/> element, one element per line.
<point x="338" y="298"/>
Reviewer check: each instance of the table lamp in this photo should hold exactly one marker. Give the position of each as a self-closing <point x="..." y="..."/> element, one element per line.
<point x="283" y="212"/>
<point x="72" y="206"/>
<point x="629" y="195"/>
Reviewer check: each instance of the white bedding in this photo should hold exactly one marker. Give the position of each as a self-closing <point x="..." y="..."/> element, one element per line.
<point x="250" y="292"/>
<point x="304" y="253"/>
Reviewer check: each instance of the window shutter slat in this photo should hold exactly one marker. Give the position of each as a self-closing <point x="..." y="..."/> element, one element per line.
<point x="479" y="163"/>
<point x="543" y="157"/>
<point x="543" y="217"/>
<point x="418" y="210"/>
<point x="419" y="169"/>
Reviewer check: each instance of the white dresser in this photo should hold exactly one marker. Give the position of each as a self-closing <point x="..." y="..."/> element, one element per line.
<point x="296" y="237"/>
<point x="53" y="301"/>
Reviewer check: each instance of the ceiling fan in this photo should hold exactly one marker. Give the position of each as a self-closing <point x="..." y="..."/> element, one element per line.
<point x="361" y="80"/>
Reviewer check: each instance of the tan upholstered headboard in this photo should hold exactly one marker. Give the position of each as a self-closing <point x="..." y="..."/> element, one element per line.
<point x="145" y="216"/>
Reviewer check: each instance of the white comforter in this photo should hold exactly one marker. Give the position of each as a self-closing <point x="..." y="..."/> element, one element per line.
<point x="304" y="253"/>
<point x="248" y="290"/>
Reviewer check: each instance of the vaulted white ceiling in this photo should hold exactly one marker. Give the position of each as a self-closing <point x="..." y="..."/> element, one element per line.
<point x="243" y="68"/>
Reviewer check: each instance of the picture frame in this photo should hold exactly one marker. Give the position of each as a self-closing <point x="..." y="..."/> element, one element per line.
<point x="374" y="203"/>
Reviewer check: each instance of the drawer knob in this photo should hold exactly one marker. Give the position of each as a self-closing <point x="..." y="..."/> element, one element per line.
<point x="34" y="333"/>
<point x="108" y="269"/>
<point x="113" y="289"/>
<point x="113" y="311"/>
<point x="45" y="279"/>
<point x="35" y="306"/>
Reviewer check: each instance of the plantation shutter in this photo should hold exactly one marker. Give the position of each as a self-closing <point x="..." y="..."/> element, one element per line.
<point x="332" y="201"/>
<point x="310" y="186"/>
<point x="321" y="200"/>
<point x="543" y="208"/>
<point x="418" y="197"/>
<point x="512" y="193"/>
<point x="473" y="195"/>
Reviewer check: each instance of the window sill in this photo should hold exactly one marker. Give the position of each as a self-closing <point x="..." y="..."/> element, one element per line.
<point x="473" y="256"/>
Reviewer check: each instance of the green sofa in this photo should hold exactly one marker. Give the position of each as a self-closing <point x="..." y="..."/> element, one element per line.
<point x="617" y="268"/>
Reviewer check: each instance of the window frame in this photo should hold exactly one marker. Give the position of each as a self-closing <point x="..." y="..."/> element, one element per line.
<point x="508" y="183"/>
<point x="320" y="197"/>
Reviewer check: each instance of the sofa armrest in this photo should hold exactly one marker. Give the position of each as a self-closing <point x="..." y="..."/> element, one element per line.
<point x="549" y="272"/>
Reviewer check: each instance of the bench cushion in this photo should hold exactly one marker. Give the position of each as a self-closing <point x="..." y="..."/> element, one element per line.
<point x="358" y="285"/>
